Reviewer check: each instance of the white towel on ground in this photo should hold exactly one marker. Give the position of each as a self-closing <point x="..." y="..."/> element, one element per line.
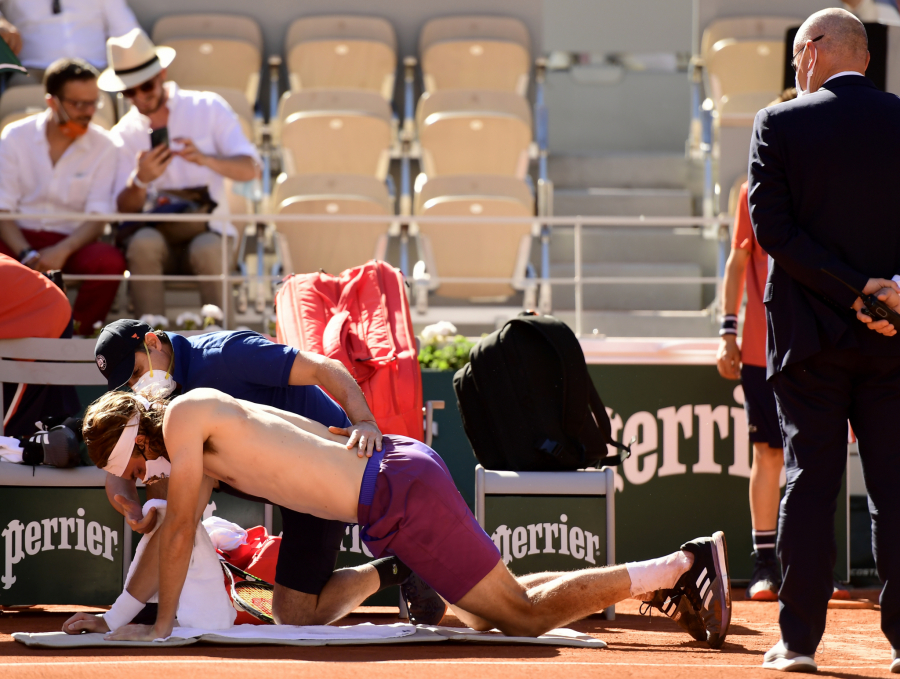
<point x="204" y="601"/>
<point x="292" y="632"/>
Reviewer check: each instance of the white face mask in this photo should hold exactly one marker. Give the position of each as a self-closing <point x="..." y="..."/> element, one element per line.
<point x="800" y="91"/>
<point x="155" y="384"/>
<point x="156" y="470"/>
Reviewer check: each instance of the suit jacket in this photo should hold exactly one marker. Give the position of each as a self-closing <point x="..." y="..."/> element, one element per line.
<point x="824" y="176"/>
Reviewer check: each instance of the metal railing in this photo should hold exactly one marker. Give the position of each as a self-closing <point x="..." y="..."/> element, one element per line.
<point x="710" y="227"/>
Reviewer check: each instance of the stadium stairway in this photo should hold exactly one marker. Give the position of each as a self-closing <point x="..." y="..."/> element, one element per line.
<point x="649" y="185"/>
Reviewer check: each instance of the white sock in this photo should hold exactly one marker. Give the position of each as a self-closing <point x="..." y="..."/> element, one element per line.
<point x="661" y="573"/>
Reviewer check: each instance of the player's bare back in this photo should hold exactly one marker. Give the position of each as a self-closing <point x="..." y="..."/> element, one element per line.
<point x="262" y="452"/>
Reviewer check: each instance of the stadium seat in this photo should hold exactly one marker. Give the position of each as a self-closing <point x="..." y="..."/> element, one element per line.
<point x="342" y="52"/>
<point x="335" y="132"/>
<point x="332" y="246"/>
<point x="746" y="28"/>
<point x="213" y="51"/>
<point x="25" y="100"/>
<point x="241" y="107"/>
<point x="474" y="132"/>
<point x="744" y="75"/>
<point x="471" y="249"/>
<point x="475" y="53"/>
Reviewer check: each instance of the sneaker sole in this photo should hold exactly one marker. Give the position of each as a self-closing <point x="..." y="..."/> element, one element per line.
<point x="721" y="565"/>
<point x="802" y="664"/>
<point x="764" y="595"/>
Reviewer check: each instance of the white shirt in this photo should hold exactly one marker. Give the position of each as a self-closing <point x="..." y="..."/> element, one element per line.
<point x="80" y="30"/>
<point x="203" y="117"/>
<point x="81" y="181"/>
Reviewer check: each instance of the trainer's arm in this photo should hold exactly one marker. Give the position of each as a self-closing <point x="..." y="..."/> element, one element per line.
<point x="333" y="377"/>
<point x="790" y="246"/>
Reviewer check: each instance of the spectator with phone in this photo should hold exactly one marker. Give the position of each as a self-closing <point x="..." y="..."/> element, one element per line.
<point x="58" y="161"/>
<point x="41" y="31"/>
<point x="173" y="140"/>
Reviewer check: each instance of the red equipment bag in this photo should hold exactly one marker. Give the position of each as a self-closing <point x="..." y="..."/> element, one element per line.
<point x="360" y="318"/>
<point x="258" y="556"/>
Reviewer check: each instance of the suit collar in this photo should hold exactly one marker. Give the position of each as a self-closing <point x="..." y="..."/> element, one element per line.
<point x="848" y="81"/>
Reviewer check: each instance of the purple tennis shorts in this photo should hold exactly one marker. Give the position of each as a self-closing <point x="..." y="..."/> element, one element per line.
<point x="410" y="507"/>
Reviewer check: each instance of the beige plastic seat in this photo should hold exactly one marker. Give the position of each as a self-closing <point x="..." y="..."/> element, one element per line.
<point x="744" y="75"/>
<point x="342" y="52"/>
<point x="241" y="107"/>
<point x="332" y="246"/>
<point x="746" y="28"/>
<point x="213" y="51"/>
<point x="471" y="250"/>
<point x="25" y="100"/>
<point x="335" y="132"/>
<point x="474" y="132"/>
<point x="475" y="53"/>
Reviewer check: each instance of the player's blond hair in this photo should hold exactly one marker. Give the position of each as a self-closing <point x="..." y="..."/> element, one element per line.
<point x="106" y="417"/>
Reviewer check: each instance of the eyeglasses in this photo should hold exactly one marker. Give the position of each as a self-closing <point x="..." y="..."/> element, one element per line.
<point x="146" y="88"/>
<point x="800" y="51"/>
<point x="81" y="105"/>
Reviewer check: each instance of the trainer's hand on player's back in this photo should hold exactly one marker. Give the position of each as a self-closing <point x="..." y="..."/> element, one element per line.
<point x="85" y="622"/>
<point x="135" y="516"/>
<point x="365" y="434"/>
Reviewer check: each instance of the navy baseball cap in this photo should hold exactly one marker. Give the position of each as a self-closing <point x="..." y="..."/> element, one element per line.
<point x="115" y="349"/>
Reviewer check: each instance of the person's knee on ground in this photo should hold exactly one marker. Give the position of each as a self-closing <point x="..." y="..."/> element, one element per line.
<point x="146" y="254"/>
<point x="290" y="607"/>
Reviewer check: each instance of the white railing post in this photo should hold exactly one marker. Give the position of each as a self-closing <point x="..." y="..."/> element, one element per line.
<point x="579" y="289"/>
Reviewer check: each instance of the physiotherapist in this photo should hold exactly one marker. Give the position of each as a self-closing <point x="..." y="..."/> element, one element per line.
<point x="245" y="365"/>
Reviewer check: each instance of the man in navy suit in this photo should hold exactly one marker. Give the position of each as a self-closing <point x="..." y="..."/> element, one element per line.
<point x="823" y="175"/>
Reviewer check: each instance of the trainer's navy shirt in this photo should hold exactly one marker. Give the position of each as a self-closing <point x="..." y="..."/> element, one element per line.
<point x="246" y="365"/>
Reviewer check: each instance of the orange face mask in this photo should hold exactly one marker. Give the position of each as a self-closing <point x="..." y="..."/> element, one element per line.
<point x="67" y="126"/>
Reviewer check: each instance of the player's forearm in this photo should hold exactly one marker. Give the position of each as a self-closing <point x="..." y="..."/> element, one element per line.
<point x="116" y="485"/>
<point x="175" y="544"/>
<point x="733" y="282"/>
<point x="144" y="582"/>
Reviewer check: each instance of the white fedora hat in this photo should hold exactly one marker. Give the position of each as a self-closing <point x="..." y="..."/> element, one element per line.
<point x="133" y="59"/>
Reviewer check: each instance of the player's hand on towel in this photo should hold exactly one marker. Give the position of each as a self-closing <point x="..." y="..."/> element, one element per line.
<point x="133" y="633"/>
<point x="887" y="292"/>
<point x="364" y="434"/>
<point x="135" y="517"/>
<point x="85" y="622"/>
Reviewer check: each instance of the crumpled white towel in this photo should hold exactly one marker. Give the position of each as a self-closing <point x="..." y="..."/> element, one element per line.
<point x="204" y="601"/>
<point x="10" y="449"/>
<point x="225" y="535"/>
<point x="293" y="632"/>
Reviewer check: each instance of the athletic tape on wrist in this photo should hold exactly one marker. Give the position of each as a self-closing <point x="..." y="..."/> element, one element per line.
<point x="123" y="611"/>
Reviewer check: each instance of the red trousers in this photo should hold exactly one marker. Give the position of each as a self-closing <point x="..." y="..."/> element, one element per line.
<point x="94" y="297"/>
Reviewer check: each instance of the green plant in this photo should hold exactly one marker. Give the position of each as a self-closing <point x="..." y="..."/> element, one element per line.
<point x="445" y="353"/>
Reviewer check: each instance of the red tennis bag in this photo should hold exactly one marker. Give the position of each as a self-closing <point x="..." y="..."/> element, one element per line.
<point x="360" y="318"/>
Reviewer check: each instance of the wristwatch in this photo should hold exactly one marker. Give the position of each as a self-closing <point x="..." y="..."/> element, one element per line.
<point x="28" y="254"/>
<point x="137" y="182"/>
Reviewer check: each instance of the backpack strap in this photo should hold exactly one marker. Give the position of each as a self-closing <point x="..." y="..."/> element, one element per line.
<point x="578" y="388"/>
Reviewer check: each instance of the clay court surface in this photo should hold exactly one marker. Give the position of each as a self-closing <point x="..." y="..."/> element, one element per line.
<point x="638" y="647"/>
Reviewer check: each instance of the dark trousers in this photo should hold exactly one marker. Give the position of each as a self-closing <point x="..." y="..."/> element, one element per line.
<point x="815" y="399"/>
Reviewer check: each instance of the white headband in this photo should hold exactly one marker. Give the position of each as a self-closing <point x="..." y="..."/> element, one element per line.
<point x="121" y="454"/>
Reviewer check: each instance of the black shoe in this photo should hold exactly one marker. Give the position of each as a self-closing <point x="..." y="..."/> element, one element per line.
<point x="425" y="606"/>
<point x="57" y="447"/>
<point x="765" y="581"/>
<point x="674" y="604"/>
<point x="708" y="587"/>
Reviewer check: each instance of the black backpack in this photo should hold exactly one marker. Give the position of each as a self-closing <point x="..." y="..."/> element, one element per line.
<point x="526" y="400"/>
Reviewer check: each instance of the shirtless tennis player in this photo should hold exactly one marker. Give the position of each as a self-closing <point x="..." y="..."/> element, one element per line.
<point x="403" y="498"/>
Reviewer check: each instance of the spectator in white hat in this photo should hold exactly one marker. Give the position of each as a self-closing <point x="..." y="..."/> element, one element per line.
<point x="206" y="146"/>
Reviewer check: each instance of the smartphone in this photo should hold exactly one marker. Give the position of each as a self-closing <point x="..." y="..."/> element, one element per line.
<point x="160" y="136"/>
